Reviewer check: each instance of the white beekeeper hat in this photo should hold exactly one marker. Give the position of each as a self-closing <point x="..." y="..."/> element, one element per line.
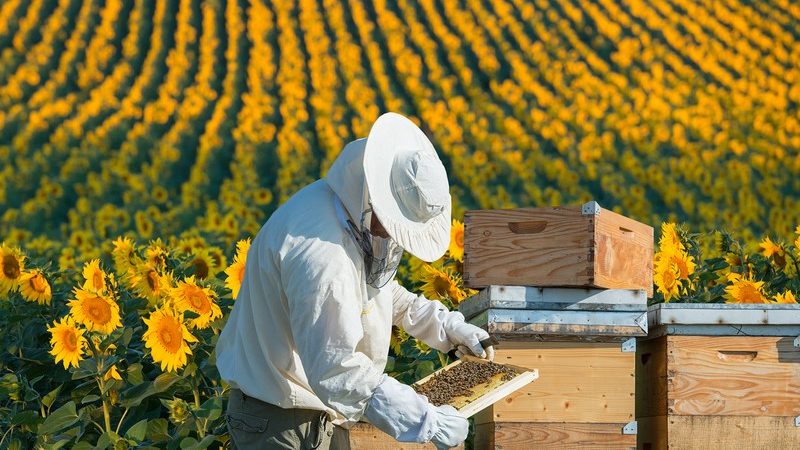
<point x="408" y="186"/>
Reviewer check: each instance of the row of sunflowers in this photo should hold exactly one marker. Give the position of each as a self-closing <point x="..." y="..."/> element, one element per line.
<point x="135" y="331"/>
<point x="159" y="116"/>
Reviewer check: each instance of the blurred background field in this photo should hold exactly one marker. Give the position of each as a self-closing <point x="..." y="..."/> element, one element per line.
<point x="155" y="117"/>
<point x="142" y="142"/>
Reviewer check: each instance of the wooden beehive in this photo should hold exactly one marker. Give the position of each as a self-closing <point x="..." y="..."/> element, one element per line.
<point x="583" y="246"/>
<point x="580" y="340"/>
<point x="719" y="376"/>
<point x="365" y="436"/>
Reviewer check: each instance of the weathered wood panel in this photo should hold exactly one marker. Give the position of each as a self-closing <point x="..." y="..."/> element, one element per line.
<point x="364" y="436"/>
<point x="733" y="375"/>
<point x="582" y="383"/>
<point x="719" y="432"/>
<point x="529" y="246"/>
<point x="526" y="436"/>
<point x="623" y="252"/>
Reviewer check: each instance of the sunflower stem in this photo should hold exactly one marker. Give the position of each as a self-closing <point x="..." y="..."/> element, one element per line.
<point x="201" y="428"/>
<point x="106" y="413"/>
<point x="119" y="424"/>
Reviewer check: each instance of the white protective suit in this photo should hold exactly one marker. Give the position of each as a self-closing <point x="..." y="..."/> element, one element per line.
<point x="307" y="332"/>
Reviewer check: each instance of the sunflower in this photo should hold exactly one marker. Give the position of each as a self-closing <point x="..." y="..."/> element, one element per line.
<point x="743" y="290"/>
<point x="441" y="284"/>
<point x="156" y="254"/>
<point x="666" y="279"/>
<point x="786" y="297"/>
<point x="145" y="280"/>
<point x="682" y="259"/>
<point x="168" y="339"/>
<point x="143" y="224"/>
<point x="34" y="287"/>
<point x="218" y="256"/>
<point x="95" y="311"/>
<point x="669" y="237"/>
<point x="124" y="254"/>
<point x="179" y="411"/>
<point x="12" y="264"/>
<point x="189" y="296"/>
<point x="202" y="264"/>
<point x="67" y="341"/>
<point x="95" y="276"/>
<point x="456" y="248"/>
<point x="235" y="272"/>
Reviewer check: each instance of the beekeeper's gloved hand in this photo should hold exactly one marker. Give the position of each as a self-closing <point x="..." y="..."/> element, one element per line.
<point x="466" y="338"/>
<point x="397" y="410"/>
<point x="452" y="428"/>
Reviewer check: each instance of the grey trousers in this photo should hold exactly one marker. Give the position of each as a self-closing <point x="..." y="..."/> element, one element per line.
<point x="254" y="424"/>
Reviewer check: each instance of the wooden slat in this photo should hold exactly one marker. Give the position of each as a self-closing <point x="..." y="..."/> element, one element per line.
<point x="651" y="377"/>
<point x="498" y="252"/>
<point x="623" y="252"/>
<point x="578" y="382"/>
<point x="526" y="436"/>
<point x="732" y="375"/>
<point x="720" y="432"/>
<point x="364" y="436"/>
<point x="652" y="433"/>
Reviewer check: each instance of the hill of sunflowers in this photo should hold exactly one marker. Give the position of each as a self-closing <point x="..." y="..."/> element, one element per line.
<point x="142" y="142"/>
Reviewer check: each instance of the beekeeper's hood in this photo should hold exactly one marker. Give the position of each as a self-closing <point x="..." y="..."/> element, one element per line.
<point x="396" y="173"/>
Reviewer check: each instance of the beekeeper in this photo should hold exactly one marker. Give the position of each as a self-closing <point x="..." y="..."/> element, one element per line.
<point x="305" y="347"/>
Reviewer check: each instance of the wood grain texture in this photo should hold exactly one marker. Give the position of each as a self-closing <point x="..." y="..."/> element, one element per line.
<point x="718" y="432"/>
<point x="578" y="382"/>
<point x="623" y="252"/>
<point x="364" y="436"/>
<point x="557" y="247"/>
<point x="733" y="375"/>
<point x="526" y="436"/>
<point x="496" y="251"/>
<point x="651" y="377"/>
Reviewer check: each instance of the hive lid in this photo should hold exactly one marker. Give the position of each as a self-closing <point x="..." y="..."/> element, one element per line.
<point x="724" y="319"/>
<point x="553" y="298"/>
<point x="486" y="394"/>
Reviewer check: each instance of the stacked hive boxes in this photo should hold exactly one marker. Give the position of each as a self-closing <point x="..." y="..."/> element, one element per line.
<point x="564" y="290"/>
<point x="719" y="376"/>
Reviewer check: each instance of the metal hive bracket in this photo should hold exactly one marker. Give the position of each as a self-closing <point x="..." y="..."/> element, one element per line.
<point x="590" y="208"/>
<point x="630" y="428"/>
<point x="629" y="346"/>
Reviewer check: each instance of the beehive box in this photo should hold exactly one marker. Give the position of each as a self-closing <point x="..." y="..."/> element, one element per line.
<point x="719" y="376"/>
<point x="365" y="436"/>
<point x="580" y="341"/>
<point x="582" y="246"/>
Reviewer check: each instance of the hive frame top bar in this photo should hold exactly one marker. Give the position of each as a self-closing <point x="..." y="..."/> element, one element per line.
<point x="554" y="298"/>
<point x="722" y="319"/>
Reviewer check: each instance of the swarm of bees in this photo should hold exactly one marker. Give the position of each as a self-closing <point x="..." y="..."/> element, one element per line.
<point x="460" y="380"/>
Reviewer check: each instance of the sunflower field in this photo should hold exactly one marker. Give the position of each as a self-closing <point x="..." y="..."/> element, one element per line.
<point x="144" y="142"/>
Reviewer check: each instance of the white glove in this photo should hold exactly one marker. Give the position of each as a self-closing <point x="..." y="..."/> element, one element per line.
<point x="467" y="338"/>
<point x="451" y="428"/>
<point x="397" y="410"/>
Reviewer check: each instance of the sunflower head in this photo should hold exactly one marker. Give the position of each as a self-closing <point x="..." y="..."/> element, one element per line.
<point x="168" y="339"/>
<point x="179" y="411"/>
<point x="744" y="290"/>
<point x="234" y="277"/>
<point x="95" y="311"/>
<point x="34" y="287"/>
<point x="202" y="264"/>
<point x="188" y="296"/>
<point x="670" y="239"/>
<point x="441" y="284"/>
<point x="67" y="341"/>
<point x="786" y="298"/>
<point x="124" y="254"/>
<point x="456" y="248"/>
<point x="12" y="264"/>
<point x="95" y="276"/>
<point x="667" y="279"/>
